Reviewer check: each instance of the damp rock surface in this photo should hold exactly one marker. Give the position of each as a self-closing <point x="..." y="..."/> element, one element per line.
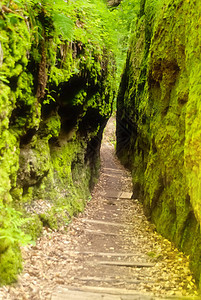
<point x="158" y="127"/>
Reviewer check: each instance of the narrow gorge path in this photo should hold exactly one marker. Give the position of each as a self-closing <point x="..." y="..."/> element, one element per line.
<point x="109" y="252"/>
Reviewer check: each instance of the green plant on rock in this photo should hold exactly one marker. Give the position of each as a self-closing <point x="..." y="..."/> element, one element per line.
<point x="11" y="222"/>
<point x="50" y="13"/>
<point x="11" y="236"/>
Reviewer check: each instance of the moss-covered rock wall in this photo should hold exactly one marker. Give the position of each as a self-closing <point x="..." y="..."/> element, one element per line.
<point x="158" y="120"/>
<point x="56" y="94"/>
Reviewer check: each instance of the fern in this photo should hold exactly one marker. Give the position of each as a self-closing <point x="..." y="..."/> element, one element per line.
<point x="11" y="222"/>
<point x="54" y="14"/>
<point x="3" y="78"/>
<point x="63" y="25"/>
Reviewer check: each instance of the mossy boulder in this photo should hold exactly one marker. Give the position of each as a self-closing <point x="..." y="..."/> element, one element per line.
<point x="158" y="128"/>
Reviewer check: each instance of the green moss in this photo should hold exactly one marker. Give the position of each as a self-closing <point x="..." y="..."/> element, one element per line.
<point x="11" y="236"/>
<point x="55" y="98"/>
<point x="159" y="102"/>
<point x="15" y="41"/>
<point x="62" y="212"/>
<point x="34" y="163"/>
<point x="49" y="219"/>
<point x="10" y="264"/>
<point x="9" y="164"/>
<point x="53" y="126"/>
<point x="5" y="242"/>
<point x="33" y="226"/>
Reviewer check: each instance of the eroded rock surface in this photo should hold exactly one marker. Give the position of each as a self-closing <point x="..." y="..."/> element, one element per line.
<point x="158" y="120"/>
<point x="56" y="94"/>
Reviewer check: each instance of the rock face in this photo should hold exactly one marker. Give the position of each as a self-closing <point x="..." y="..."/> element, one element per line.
<point x="158" y="120"/>
<point x="55" y="99"/>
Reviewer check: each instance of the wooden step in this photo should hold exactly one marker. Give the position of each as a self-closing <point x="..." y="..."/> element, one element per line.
<point x="125" y="195"/>
<point x="97" y="293"/>
<point x="111" y="280"/>
<point x="116" y="175"/>
<point x="101" y="222"/>
<point x="107" y="254"/>
<point x="101" y="293"/>
<point x="98" y="232"/>
<point x="126" y="264"/>
<point x="114" y="194"/>
<point x="114" y="170"/>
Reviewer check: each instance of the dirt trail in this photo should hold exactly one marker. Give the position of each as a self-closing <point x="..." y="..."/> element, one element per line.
<point x="109" y="252"/>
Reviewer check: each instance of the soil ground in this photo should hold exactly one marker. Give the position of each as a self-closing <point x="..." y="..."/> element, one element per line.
<point x="110" y="251"/>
